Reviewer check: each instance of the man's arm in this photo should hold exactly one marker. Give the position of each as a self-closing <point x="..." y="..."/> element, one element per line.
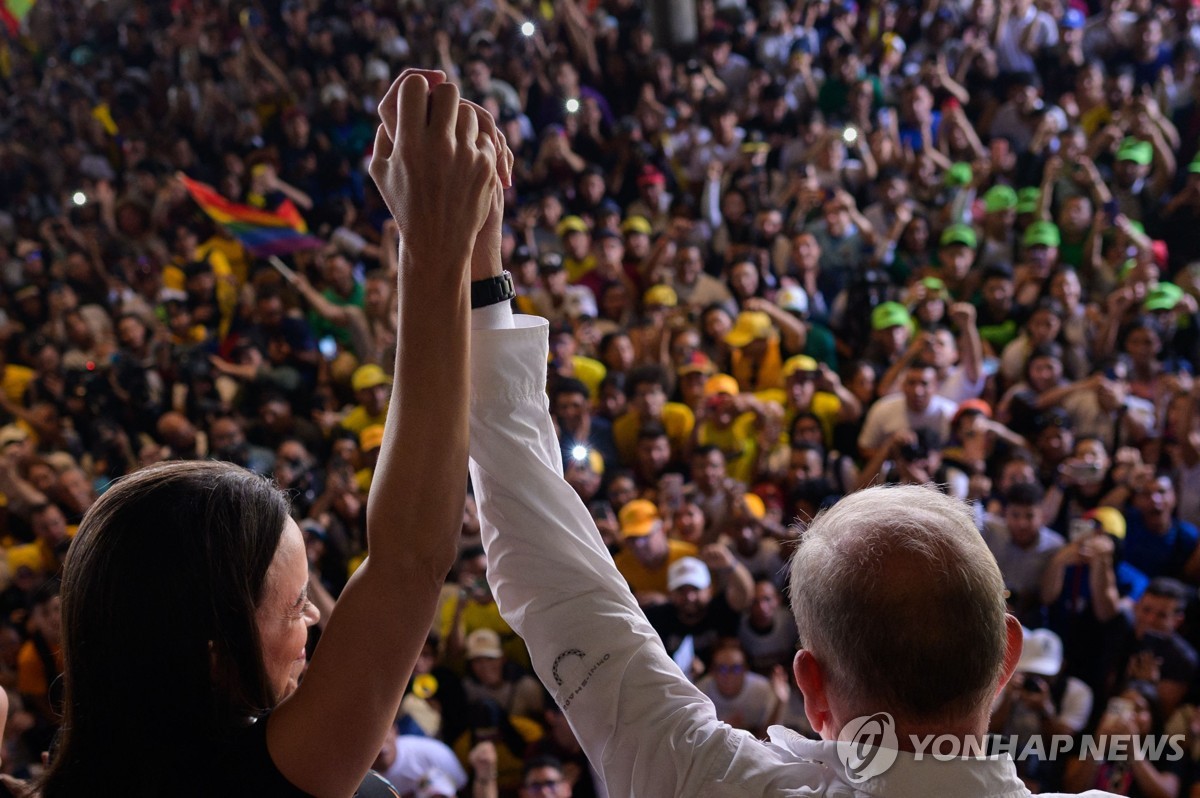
<point x="641" y="723"/>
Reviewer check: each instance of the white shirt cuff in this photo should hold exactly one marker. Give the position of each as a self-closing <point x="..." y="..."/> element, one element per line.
<point x="493" y="317"/>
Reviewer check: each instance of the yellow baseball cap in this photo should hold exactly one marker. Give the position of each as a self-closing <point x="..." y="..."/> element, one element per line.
<point x="799" y="363"/>
<point x="662" y="295"/>
<point x="1110" y="520"/>
<point x="636" y="224"/>
<point x="638" y="518"/>
<point x="368" y="376"/>
<point x="751" y="325"/>
<point x="571" y="224"/>
<point x="721" y="383"/>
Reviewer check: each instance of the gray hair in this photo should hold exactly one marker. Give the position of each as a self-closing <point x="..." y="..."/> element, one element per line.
<point x="900" y="601"/>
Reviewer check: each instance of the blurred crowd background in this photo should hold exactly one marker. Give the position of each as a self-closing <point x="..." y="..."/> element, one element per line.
<point x="786" y="249"/>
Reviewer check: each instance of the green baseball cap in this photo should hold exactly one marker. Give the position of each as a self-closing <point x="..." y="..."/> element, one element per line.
<point x="1163" y="296"/>
<point x="890" y="314"/>
<point x="1042" y="233"/>
<point x="1028" y="199"/>
<point x="999" y="198"/>
<point x="1136" y="150"/>
<point x="958" y="234"/>
<point x="959" y="175"/>
<point x="935" y="287"/>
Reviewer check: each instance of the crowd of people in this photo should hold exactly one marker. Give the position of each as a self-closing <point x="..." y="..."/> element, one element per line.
<point x="813" y="247"/>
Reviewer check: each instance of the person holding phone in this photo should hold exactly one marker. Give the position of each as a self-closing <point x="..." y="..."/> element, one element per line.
<point x="1041" y="699"/>
<point x="1134" y="711"/>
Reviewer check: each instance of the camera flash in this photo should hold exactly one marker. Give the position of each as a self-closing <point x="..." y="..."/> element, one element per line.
<point x="527" y="29"/>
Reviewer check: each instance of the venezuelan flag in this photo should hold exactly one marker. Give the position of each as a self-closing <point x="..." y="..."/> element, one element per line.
<point x="263" y="233"/>
<point x="13" y="13"/>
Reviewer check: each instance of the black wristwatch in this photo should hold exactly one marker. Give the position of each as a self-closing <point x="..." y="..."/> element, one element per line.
<point x="492" y="291"/>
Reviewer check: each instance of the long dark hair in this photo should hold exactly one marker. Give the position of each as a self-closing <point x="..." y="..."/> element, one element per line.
<point x="159" y="637"/>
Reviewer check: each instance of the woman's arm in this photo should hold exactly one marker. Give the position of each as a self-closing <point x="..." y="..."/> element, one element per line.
<point x="437" y="173"/>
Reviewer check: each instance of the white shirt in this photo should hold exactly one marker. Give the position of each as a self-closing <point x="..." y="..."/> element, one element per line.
<point x="890" y="414"/>
<point x="1010" y="54"/>
<point x="643" y="725"/>
<point x="416" y="757"/>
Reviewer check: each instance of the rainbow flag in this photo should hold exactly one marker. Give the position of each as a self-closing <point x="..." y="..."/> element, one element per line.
<point x="13" y="13"/>
<point x="262" y="233"/>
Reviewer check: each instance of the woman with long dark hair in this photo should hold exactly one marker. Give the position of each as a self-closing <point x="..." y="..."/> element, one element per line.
<point x="185" y="598"/>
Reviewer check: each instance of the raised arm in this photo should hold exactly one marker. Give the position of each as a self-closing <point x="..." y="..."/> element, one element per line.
<point x="641" y="722"/>
<point x="435" y="164"/>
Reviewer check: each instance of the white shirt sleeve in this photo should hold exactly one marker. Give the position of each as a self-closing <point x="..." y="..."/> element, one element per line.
<point x="645" y="727"/>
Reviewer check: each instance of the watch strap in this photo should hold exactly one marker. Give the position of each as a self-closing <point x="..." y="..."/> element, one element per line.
<point x="492" y="291"/>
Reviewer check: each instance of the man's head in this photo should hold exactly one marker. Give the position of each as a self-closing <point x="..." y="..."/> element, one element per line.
<point x="806" y="252"/>
<point x="372" y="387"/>
<point x="800" y="374"/>
<point x="485" y="658"/>
<point x="1160" y="608"/>
<point x="806" y="461"/>
<point x="891" y="327"/>
<point x="646" y="389"/>
<point x="642" y="531"/>
<point x="920" y="385"/>
<point x="1023" y="513"/>
<point x="764" y="603"/>
<point x="544" y="779"/>
<point x="690" y="585"/>
<point x="571" y="404"/>
<point x="708" y="467"/>
<point x="653" y="451"/>
<point x="900" y="608"/>
<point x="688" y="264"/>
<point x="1155" y="500"/>
<point x="49" y="525"/>
<point x="729" y="670"/>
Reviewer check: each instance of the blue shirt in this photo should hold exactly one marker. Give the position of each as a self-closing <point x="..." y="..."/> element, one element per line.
<point x="1155" y="555"/>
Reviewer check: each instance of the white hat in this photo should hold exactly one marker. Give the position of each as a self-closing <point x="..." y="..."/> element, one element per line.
<point x="484" y="643"/>
<point x="1042" y="654"/>
<point x="688" y="571"/>
<point x="377" y="69"/>
<point x="793" y="298"/>
<point x="334" y="92"/>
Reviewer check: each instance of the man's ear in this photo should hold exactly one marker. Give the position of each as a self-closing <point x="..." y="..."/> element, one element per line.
<point x="811" y="681"/>
<point x="1014" y="642"/>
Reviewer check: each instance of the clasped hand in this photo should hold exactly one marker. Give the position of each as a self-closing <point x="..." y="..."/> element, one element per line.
<point x="441" y="166"/>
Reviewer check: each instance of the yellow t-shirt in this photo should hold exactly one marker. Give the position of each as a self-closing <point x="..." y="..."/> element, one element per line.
<point x="14" y="381"/>
<point x="739" y="442"/>
<point x="358" y="419"/>
<point x="483" y="616"/>
<point x="235" y="255"/>
<point x="36" y="556"/>
<point x="591" y="373"/>
<point x="677" y="418"/>
<point x="643" y="580"/>
<point x="770" y="370"/>
<point x="227" y="282"/>
<point x="825" y="406"/>
<point x="578" y="268"/>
